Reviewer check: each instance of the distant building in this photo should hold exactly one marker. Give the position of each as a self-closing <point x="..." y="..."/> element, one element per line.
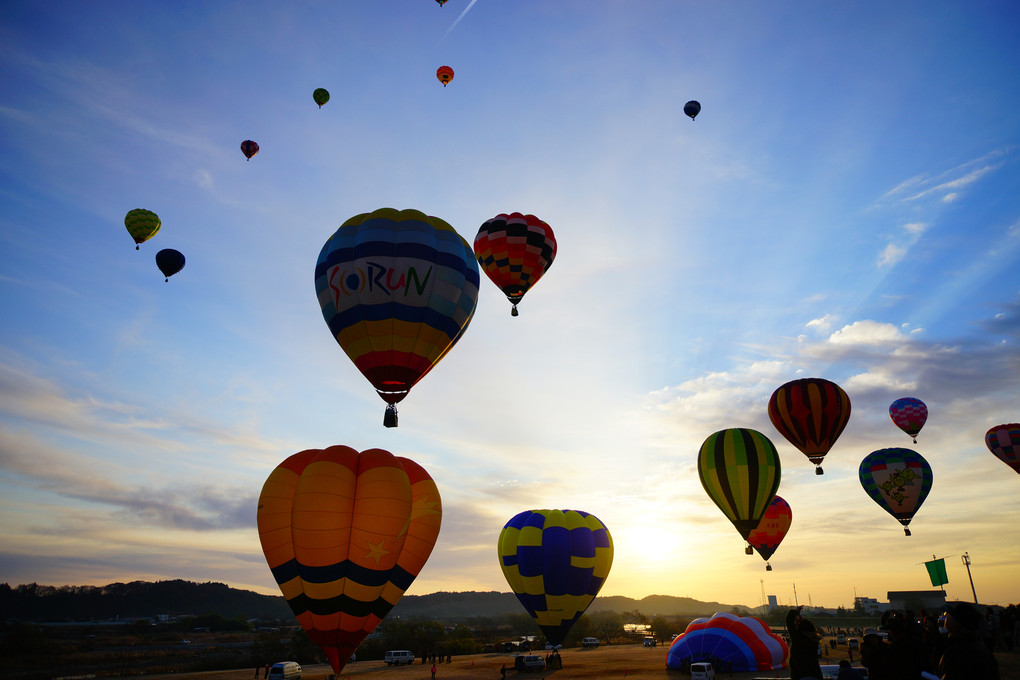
<point x="773" y="603"/>
<point x="916" y="600"/>
<point x="869" y="605"/>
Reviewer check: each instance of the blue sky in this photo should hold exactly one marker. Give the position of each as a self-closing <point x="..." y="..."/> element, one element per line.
<point x="846" y="206"/>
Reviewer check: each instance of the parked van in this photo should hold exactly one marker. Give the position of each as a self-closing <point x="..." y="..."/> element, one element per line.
<point x="529" y="662"/>
<point x="649" y="642"/>
<point x="285" y="670"/>
<point x="702" y="671"/>
<point x="397" y="657"/>
<point x="590" y="642"/>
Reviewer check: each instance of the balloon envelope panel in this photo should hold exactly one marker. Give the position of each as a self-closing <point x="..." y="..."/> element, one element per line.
<point x="1004" y="443"/>
<point x="397" y="289"/>
<point x="909" y="414"/>
<point x="555" y="562"/>
<point x="169" y="261"/>
<point x="746" y="643"/>
<point x="345" y="534"/>
<point x="142" y="224"/>
<point x="740" y="471"/>
<point x="772" y="529"/>
<point x="898" y="480"/>
<point x="811" y="413"/>
<point x="515" y="251"/>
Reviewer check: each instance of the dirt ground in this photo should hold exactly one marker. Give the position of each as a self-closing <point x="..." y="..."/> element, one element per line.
<point x="633" y="662"/>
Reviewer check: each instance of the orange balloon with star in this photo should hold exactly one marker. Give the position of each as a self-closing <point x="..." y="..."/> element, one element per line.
<point x="345" y="533"/>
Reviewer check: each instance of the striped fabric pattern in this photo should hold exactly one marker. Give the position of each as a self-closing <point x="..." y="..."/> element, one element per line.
<point x="397" y="290"/>
<point x="811" y="413"/>
<point x="344" y="534"/>
<point x="740" y="471"/>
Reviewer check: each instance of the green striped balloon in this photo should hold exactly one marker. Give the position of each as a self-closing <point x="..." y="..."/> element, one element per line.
<point x="740" y="471"/>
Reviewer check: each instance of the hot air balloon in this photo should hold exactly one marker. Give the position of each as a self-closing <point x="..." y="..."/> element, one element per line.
<point x="321" y="96"/>
<point x="345" y="534"/>
<point x="1004" y="442"/>
<point x="249" y="148"/>
<point x="811" y="413"/>
<point x="692" y="109"/>
<point x="170" y="262"/>
<point x="771" y="530"/>
<point x="898" y="480"/>
<point x="445" y="74"/>
<point x="740" y="471"/>
<point x="555" y="561"/>
<point x="142" y="225"/>
<point x="514" y="251"/>
<point x="744" y="644"/>
<point x="397" y="289"/>
<point x="909" y="414"/>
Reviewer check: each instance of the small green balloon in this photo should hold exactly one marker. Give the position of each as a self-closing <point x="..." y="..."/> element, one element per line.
<point x="321" y="96"/>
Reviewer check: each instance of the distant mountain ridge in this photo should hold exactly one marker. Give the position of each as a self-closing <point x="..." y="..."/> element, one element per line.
<point x="144" y="599"/>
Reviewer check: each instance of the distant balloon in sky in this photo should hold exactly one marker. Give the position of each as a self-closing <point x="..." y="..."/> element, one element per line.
<point x="249" y="148"/>
<point x="397" y="289"/>
<point x="811" y="413"/>
<point x="445" y="74"/>
<point x="321" y="96"/>
<point x="742" y="644"/>
<point x="692" y="109"/>
<point x="909" y="414"/>
<point x="514" y="251"/>
<point x="345" y="533"/>
<point x="555" y="562"/>
<point x="1004" y="442"/>
<point x="898" y="480"/>
<point x="142" y="225"/>
<point x="771" y="530"/>
<point x="170" y="262"/>
<point x="740" y="471"/>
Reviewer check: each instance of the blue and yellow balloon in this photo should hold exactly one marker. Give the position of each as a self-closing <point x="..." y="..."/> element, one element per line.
<point x="556" y="561"/>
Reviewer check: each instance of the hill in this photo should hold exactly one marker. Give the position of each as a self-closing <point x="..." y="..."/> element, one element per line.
<point x="142" y="599"/>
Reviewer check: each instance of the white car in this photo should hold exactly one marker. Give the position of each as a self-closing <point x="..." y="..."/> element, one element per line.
<point x="702" y="671"/>
<point x="397" y="657"/>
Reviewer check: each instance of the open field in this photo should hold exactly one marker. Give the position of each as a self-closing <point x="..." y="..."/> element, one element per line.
<point x="632" y="662"/>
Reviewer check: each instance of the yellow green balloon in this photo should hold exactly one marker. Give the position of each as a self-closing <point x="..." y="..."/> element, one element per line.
<point x="142" y="225"/>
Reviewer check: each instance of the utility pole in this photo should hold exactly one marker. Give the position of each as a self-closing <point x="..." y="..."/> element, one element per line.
<point x="797" y="604"/>
<point x="966" y="563"/>
<point x="763" y="600"/>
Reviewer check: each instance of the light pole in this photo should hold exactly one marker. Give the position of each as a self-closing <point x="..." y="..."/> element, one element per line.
<point x="966" y="563"/>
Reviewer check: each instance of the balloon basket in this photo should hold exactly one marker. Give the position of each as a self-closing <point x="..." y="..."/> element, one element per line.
<point x="906" y="531"/>
<point x="513" y="312"/>
<point x="818" y="471"/>
<point x="390" y="417"/>
<point x="748" y="550"/>
<point x="768" y="567"/>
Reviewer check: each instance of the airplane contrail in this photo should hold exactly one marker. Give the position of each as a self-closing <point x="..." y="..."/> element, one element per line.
<point x="457" y="20"/>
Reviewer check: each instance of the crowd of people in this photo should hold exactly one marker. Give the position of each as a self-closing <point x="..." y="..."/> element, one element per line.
<point x="954" y="644"/>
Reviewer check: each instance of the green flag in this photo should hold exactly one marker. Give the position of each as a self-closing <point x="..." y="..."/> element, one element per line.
<point x="937" y="572"/>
